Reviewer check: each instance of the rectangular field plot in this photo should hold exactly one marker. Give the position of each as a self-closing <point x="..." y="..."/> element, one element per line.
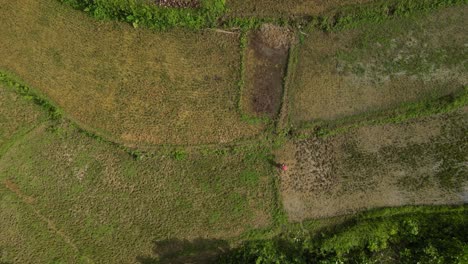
<point x="265" y="63"/>
<point x="380" y="66"/>
<point x="106" y="207"/>
<point x="417" y="162"/>
<point x="136" y="87"/>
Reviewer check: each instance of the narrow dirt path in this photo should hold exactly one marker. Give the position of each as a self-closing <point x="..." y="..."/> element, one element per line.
<point x="29" y="201"/>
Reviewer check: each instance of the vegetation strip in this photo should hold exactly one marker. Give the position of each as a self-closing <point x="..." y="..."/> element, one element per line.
<point x="28" y="94"/>
<point x="152" y="16"/>
<point x="209" y="14"/>
<point x="283" y="119"/>
<point x="445" y="104"/>
<point x="409" y="234"/>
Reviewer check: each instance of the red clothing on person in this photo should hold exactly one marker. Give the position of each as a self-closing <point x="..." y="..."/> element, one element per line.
<point x="284" y="167"/>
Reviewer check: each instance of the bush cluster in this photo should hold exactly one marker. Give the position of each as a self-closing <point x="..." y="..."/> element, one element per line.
<point x="140" y="13"/>
<point x="438" y="237"/>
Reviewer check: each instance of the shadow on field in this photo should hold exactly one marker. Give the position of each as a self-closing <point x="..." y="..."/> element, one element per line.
<point x="178" y="251"/>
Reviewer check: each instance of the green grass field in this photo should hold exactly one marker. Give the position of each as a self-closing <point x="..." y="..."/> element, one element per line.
<point x="99" y="204"/>
<point x="137" y="133"/>
<point x="369" y="69"/>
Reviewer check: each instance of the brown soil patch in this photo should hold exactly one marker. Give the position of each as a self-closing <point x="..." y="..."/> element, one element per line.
<point x="381" y="166"/>
<point x="267" y="57"/>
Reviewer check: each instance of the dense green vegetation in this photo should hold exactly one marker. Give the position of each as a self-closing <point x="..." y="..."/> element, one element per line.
<point x="150" y="15"/>
<point x="210" y="12"/>
<point x="425" y="235"/>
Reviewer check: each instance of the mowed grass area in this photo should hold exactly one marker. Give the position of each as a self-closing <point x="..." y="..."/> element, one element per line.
<point x="74" y="198"/>
<point x="132" y="86"/>
<point x="351" y="72"/>
<point x="284" y="8"/>
<point x="420" y="161"/>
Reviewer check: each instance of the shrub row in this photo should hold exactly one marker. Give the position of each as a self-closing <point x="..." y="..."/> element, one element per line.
<point x="440" y="236"/>
<point x="140" y="13"/>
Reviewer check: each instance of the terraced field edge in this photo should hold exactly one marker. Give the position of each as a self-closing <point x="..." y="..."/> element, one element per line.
<point x="404" y="112"/>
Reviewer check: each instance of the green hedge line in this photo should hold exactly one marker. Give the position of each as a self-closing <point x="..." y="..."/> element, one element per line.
<point x="28" y="94"/>
<point x="141" y="13"/>
<point x="437" y="235"/>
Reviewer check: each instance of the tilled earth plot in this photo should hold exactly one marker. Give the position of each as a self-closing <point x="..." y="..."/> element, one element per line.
<point x="419" y="162"/>
<point x="266" y="59"/>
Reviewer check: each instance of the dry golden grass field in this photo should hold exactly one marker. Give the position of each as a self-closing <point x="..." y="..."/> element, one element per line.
<point x="355" y="71"/>
<point x="128" y="85"/>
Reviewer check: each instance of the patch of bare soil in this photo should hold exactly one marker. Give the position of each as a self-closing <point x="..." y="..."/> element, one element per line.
<point x="266" y="63"/>
<point x="375" y="166"/>
<point x="310" y="171"/>
<point x="178" y="3"/>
